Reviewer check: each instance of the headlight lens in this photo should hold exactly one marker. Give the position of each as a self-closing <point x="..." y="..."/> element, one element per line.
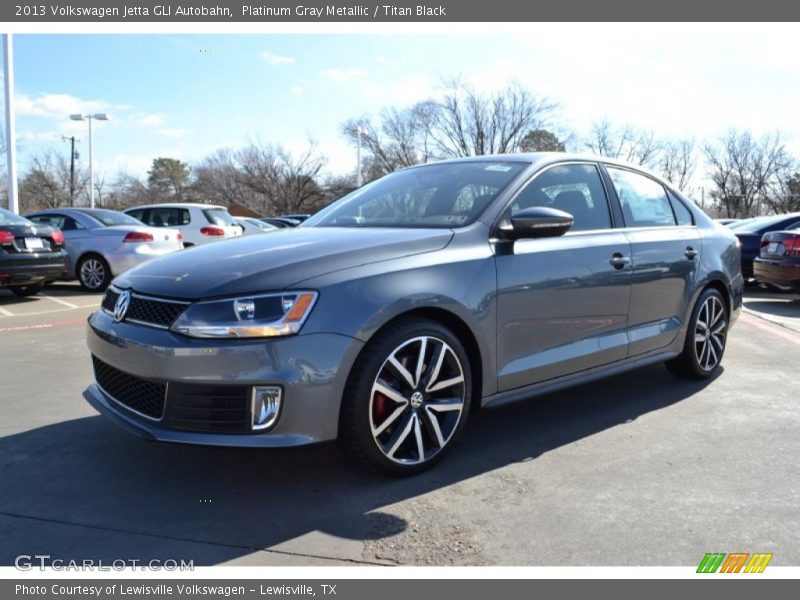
<point x="267" y="315"/>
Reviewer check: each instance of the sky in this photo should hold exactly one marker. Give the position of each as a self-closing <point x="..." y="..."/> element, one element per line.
<point x="184" y="96"/>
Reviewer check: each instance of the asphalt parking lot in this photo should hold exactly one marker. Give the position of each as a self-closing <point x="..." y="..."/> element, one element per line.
<point x="639" y="469"/>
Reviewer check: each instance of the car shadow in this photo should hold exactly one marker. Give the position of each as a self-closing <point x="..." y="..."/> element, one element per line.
<point x="235" y="501"/>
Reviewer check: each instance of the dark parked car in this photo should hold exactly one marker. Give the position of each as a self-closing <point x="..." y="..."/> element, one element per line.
<point x="751" y="231"/>
<point x="392" y="314"/>
<point x="300" y="217"/>
<point x="281" y="222"/>
<point x="779" y="261"/>
<point x="30" y="255"/>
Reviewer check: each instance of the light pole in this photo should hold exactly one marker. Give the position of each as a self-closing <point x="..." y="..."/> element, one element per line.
<point x="90" y="118"/>
<point x="11" y="135"/>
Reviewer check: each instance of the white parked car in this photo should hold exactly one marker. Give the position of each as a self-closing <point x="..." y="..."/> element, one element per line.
<point x="252" y="226"/>
<point x="199" y="223"/>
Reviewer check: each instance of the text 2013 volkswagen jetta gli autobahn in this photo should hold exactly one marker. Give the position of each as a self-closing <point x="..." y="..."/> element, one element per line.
<point x="388" y="317"/>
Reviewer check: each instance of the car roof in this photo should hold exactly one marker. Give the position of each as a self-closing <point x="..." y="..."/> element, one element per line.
<point x="175" y="205"/>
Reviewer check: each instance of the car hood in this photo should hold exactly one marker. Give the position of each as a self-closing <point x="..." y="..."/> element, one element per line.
<point x="262" y="263"/>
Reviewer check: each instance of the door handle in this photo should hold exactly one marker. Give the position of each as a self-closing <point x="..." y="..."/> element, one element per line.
<point x="691" y="253"/>
<point x="618" y="261"/>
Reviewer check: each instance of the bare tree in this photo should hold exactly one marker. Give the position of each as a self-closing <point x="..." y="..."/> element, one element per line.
<point x="218" y="177"/>
<point x="747" y="173"/>
<point x="625" y="142"/>
<point x="677" y="162"/>
<point x="466" y="122"/>
<point x="46" y="183"/>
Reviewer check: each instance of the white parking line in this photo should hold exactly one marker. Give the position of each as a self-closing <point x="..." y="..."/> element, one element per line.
<point x="60" y="301"/>
<point x="6" y="313"/>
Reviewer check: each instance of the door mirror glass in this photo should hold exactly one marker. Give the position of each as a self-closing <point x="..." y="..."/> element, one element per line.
<point x="538" y="222"/>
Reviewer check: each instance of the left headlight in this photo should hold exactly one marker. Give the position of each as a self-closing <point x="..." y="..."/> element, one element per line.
<point x="266" y="315"/>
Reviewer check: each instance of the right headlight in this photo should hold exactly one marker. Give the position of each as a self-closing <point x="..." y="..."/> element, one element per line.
<point x="264" y="315"/>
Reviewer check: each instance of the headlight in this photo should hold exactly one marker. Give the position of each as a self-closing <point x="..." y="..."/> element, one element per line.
<point x="267" y="315"/>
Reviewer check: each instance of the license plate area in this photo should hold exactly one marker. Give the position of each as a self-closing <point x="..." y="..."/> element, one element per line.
<point x="34" y="243"/>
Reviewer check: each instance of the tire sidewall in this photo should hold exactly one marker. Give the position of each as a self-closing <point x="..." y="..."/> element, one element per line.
<point x="359" y="389"/>
<point x="106" y="269"/>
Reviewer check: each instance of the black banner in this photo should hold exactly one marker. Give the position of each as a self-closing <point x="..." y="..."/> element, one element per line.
<point x="402" y="11"/>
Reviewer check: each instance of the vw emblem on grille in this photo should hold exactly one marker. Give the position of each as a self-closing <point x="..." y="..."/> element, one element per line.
<point x="121" y="307"/>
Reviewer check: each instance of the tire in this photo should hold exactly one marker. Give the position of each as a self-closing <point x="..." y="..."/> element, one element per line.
<point x="93" y="273"/>
<point x="23" y="291"/>
<point x="706" y="338"/>
<point x="397" y="416"/>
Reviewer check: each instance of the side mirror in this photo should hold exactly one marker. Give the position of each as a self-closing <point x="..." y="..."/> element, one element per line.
<point x="538" y="222"/>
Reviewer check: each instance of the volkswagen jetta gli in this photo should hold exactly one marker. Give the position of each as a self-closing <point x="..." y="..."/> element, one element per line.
<point x="388" y="317"/>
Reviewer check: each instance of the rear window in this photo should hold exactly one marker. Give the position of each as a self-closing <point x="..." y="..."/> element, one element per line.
<point x="219" y="216"/>
<point x="756" y="225"/>
<point x="109" y="218"/>
<point x="9" y="218"/>
<point x="167" y="217"/>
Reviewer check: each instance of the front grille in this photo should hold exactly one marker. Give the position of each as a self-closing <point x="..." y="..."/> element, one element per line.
<point x="147" y="310"/>
<point x="110" y="299"/>
<point x="208" y="408"/>
<point x="139" y="395"/>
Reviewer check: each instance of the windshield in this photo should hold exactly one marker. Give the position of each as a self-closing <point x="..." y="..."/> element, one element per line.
<point x="219" y="216"/>
<point x="9" y="218"/>
<point x="440" y="195"/>
<point x="755" y="225"/>
<point x="260" y="224"/>
<point x="109" y="218"/>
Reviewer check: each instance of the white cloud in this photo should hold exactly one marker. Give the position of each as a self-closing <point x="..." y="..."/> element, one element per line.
<point x="58" y="106"/>
<point x="297" y="90"/>
<point x="345" y="74"/>
<point x="274" y="59"/>
<point x="151" y="120"/>
<point x="414" y="88"/>
<point x="175" y="132"/>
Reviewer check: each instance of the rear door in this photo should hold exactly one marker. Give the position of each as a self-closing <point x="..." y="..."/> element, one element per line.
<point x="562" y="301"/>
<point x="666" y="250"/>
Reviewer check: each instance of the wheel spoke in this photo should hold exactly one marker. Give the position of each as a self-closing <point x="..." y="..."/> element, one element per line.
<point x="447" y="383"/>
<point x="702" y="353"/>
<point x="719" y="328"/>
<point x="701" y="325"/>
<point x="435" y="367"/>
<point x="402" y="371"/>
<point x="389" y="393"/>
<point x="717" y="341"/>
<point x="699" y="338"/>
<point x="399" y="436"/>
<point x="418" y="436"/>
<point x="376" y="431"/>
<point x="420" y="361"/>
<point x="446" y="404"/>
<point x="711" y="352"/>
<point x="432" y="423"/>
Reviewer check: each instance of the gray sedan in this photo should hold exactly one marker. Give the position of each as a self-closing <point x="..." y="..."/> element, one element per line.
<point x="390" y="316"/>
<point x="103" y="243"/>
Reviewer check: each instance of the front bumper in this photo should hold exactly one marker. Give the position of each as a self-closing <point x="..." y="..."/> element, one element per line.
<point x="311" y="370"/>
<point x="777" y="272"/>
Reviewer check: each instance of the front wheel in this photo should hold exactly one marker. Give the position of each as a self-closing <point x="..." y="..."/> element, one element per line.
<point x="705" y="338"/>
<point x="407" y="399"/>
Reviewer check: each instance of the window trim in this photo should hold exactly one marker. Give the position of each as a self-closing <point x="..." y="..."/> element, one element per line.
<point x="524" y="185"/>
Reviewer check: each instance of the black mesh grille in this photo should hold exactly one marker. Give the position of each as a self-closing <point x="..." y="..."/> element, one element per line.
<point x="143" y="396"/>
<point x="146" y="310"/>
<point x="110" y="299"/>
<point x="208" y="408"/>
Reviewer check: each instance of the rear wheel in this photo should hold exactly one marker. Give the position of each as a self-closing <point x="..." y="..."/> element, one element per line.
<point x="94" y="274"/>
<point x="407" y="399"/>
<point x="705" y="338"/>
<point x="27" y="290"/>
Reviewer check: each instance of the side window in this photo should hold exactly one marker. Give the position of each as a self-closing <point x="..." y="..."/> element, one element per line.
<point x="168" y="217"/>
<point x="52" y="220"/>
<point x="70" y="224"/>
<point x="644" y="201"/>
<point x="682" y="214"/>
<point x="184" y="218"/>
<point x="136" y="214"/>
<point x="575" y="189"/>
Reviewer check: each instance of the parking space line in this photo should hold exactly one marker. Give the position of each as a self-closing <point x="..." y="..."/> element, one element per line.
<point x="42" y="325"/>
<point x="60" y="301"/>
<point x="6" y="313"/>
<point x="47" y="312"/>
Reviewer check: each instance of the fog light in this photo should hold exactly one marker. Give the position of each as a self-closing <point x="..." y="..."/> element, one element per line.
<point x="266" y="405"/>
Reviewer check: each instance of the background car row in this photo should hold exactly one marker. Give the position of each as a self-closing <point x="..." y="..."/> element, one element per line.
<point x="95" y="245"/>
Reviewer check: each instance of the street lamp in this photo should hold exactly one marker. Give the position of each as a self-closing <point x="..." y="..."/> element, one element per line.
<point x="90" y="118"/>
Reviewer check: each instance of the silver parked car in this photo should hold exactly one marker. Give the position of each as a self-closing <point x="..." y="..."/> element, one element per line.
<point x="102" y="244"/>
<point x="388" y="317"/>
<point x="251" y="226"/>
